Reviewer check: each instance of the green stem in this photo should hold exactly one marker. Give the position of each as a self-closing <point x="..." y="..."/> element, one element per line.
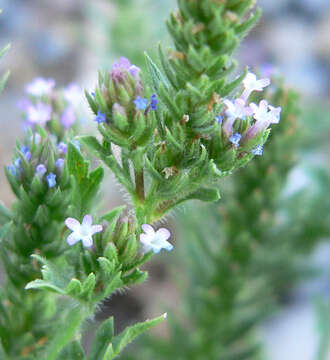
<point x="139" y="184"/>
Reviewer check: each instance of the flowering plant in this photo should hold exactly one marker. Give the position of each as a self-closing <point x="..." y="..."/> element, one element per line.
<point x="168" y="136"/>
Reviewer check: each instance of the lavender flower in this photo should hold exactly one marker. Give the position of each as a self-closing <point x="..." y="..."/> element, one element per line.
<point x="153" y="102"/>
<point x="41" y="170"/>
<point x="100" y="117"/>
<point x="25" y="150"/>
<point x="258" y="150"/>
<point x="235" y="139"/>
<point x="237" y="109"/>
<point x="82" y="232"/>
<point x="72" y="94"/>
<point x="140" y="103"/>
<point x="264" y="114"/>
<point x="40" y="86"/>
<point x="59" y="163"/>
<point x="12" y="169"/>
<point x="51" y="179"/>
<point x="62" y="147"/>
<point x="39" y="113"/>
<point x="252" y="84"/>
<point x="119" y="70"/>
<point x="155" y="240"/>
<point x="68" y="118"/>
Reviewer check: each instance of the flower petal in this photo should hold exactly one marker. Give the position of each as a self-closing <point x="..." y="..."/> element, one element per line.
<point x="145" y="239"/>
<point x="87" y="241"/>
<point x="264" y="83"/>
<point x="96" y="228"/>
<point x="72" y="224"/>
<point x="148" y="229"/>
<point x="72" y="239"/>
<point x="163" y="234"/>
<point x="87" y="220"/>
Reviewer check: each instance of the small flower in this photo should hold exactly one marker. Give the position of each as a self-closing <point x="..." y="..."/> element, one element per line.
<point x="235" y="139"/>
<point x="153" y="102"/>
<point x="252" y="84"/>
<point x="72" y="94"/>
<point x="39" y="113"/>
<point x="123" y="66"/>
<point x="40" y="86"/>
<point x="266" y="113"/>
<point x="41" y="170"/>
<point x="155" y="240"/>
<point x="258" y="150"/>
<point x="17" y="163"/>
<point x="93" y="94"/>
<point x="219" y="119"/>
<point x="62" y="147"/>
<point x="68" y="117"/>
<point x="25" y="150"/>
<point x="51" y="179"/>
<point x="140" y="103"/>
<point x="59" y="163"/>
<point x="237" y="109"/>
<point x="82" y="232"/>
<point x="12" y="169"/>
<point x="100" y="117"/>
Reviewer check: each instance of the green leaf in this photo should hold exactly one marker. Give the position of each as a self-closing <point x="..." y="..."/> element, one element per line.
<point x="65" y="333"/>
<point x="42" y="284"/>
<point x="207" y="195"/>
<point x="102" y="338"/>
<point x="130" y="333"/>
<point x="72" y="351"/>
<point x="113" y="214"/>
<point x="156" y="75"/>
<point x="4" y="80"/>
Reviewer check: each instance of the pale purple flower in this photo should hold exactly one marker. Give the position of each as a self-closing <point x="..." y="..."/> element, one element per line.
<point x="235" y="139"/>
<point x="39" y="113"/>
<point x="258" y="150"/>
<point x="23" y="104"/>
<point x="82" y="232"/>
<point x="25" y="150"/>
<point x="264" y="114"/>
<point x="59" y="163"/>
<point x="68" y="117"/>
<point x="62" y="147"/>
<point x="100" y="117"/>
<point x="51" y="180"/>
<point x="121" y="67"/>
<point x="155" y="240"/>
<point x="251" y="84"/>
<point x="72" y="94"/>
<point x="140" y="103"/>
<point x="41" y="170"/>
<point x="237" y="109"/>
<point x="40" y="86"/>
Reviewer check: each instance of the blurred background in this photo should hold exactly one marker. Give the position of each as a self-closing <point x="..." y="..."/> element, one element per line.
<point x="70" y="40"/>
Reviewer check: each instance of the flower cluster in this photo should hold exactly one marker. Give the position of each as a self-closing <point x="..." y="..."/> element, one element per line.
<point x="51" y="109"/>
<point x="256" y="118"/>
<point x="122" y="105"/>
<point x="39" y="157"/>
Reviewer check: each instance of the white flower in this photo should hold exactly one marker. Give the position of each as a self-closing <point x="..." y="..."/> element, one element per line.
<point x="237" y="109"/>
<point x="266" y="113"/>
<point x="72" y="94"/>
<point x="82" y="232"/>
<point x="155" y="240"/>
<point x="251" y="84"/>
<point x="39" y="113"/>
<point x="40" y="86"/>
